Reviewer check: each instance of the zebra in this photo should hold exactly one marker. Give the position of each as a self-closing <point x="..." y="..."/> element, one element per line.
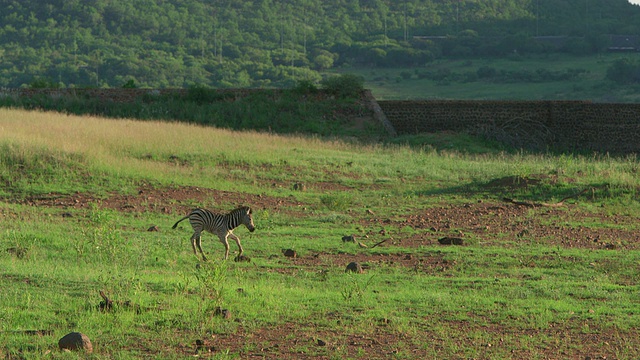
<point x="220" y="224"/>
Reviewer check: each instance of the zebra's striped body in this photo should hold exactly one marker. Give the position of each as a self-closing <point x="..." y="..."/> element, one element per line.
<point x="219" y="224"/>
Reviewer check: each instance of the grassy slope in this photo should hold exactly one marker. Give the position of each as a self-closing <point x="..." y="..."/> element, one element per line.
<point x="53" y="266"/>
<point x="388" y="84"/>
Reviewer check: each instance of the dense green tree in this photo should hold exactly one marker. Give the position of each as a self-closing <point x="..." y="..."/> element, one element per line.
<point x="271" y="42"/>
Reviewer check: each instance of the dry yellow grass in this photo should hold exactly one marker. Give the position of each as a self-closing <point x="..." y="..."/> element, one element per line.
<point x="122" y="145"/>
<point x="87" y="134"/>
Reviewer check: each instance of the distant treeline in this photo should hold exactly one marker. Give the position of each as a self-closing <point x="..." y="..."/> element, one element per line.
<point x="269" y="43"/>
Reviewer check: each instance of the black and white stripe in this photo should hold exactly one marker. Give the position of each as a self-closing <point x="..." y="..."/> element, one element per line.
<point x="220" y="224"/>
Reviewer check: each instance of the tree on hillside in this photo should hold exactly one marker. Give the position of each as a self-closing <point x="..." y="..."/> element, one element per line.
<point x="267" y="42"/>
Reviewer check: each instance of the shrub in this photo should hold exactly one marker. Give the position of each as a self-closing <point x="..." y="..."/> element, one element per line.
<point x="486" y="72"/>
<point x="624" y="71"/>
<point x="43" y="83"/>
<point x="344" y="86"/>
<point x="130" y="84"/>
<point x="305" y="87"/>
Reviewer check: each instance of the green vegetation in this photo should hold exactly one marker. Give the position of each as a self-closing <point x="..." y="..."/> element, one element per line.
<point x="119" y="43"/>
<point x="602" y="78"/>
<point x="624" y="71"/>
<point x="303" y="109"/>
<point x="79" y="193"/>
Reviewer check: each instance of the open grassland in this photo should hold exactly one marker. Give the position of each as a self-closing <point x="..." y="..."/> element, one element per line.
<point x="458" y="79"/>
<point x="78" y="195"/>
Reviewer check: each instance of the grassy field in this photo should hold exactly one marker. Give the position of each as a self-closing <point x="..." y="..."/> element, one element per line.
<point x="591" y="84"/>
<point x="539" y="279"/>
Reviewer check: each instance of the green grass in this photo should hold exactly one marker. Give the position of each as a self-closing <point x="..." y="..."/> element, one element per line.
<point x="390" y="84"/>
<point x="496" y="297"/>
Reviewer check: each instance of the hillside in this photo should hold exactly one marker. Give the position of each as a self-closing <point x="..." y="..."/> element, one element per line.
<point x="276" y="43"/>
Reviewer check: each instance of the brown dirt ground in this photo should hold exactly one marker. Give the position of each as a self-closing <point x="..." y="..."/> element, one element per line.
<point x="481" y="222"/>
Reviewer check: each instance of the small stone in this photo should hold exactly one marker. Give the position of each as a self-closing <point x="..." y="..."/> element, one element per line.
<point x="450" y="241"/>
<point x="75" y="341"/>
<point x="349" y="238"/>
<point x="224" y="313"/>
<point x="354" y="267"/>
<point x="322" y="342"/>
<point x="290" y="253"/>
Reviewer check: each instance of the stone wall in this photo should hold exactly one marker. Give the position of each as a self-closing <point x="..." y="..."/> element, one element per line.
<point x="568" y="125"/>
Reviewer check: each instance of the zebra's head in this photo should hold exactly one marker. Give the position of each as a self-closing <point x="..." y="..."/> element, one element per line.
<point x="247" y="218"/>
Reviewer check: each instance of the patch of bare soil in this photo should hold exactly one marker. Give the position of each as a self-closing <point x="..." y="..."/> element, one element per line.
<point x="428" y="263"/>
<point x="501" y="223"/>
<point x="166" y="200"/>
<point x="382" y="340"/>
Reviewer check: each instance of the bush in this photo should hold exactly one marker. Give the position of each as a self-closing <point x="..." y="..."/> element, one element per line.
<point x="43" y="83"/>
<point x="130" y="84"/>
<point x="344" y="86"/>
<point x="405" y="75"/>
<point x="304" y="87"/>
<point x="486" y="72"/>
<point x="624" y="71"/>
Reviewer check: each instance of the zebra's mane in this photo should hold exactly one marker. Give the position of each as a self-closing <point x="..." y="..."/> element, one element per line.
<point x="243" y="207"/>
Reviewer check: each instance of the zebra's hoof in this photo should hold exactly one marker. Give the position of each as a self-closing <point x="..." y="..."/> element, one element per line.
<point x="242" y="258"/>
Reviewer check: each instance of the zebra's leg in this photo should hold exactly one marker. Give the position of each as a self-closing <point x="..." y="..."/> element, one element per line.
<point x="199" y="243"/>
<point x="237" y="239"/>
<point x="223" y="240"/>
<point x="194" y="237"/>
<point x="196" y="240"/>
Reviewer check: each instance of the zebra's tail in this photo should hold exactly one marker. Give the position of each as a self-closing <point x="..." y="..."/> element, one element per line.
<point x="176" y="224"/>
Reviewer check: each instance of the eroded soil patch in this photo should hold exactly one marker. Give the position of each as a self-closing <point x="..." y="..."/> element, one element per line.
<point x="425" y="263"/>
<point x="499" y="224"/>
<point x="382" y="340"/>
<point x="167" y="200"/>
